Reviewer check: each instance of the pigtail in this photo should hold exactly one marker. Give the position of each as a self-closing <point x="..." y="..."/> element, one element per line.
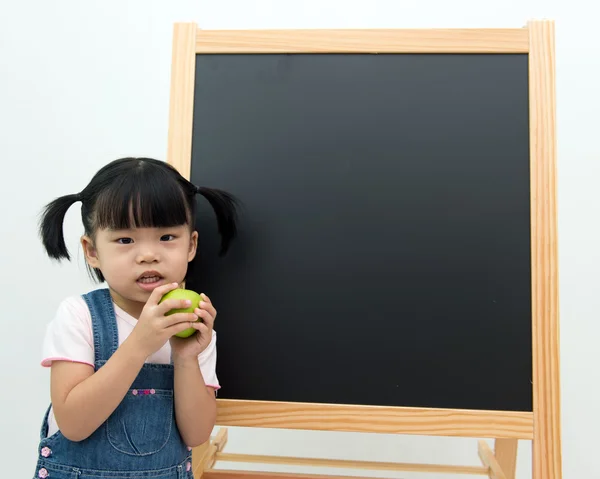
<point x="51" y="226"/>
<point x="225" y="207"/>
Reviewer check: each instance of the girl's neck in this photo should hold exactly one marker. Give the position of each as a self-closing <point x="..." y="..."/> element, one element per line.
<point x="133" y="308"/>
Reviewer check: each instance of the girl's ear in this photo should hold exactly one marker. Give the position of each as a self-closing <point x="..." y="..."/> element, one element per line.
<point x="193" y="246"/>
<point x="89" y="250"/>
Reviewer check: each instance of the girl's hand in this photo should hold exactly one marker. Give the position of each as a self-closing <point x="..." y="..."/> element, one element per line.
<point x="153" y="328"/>
<point x="185" y="349"/>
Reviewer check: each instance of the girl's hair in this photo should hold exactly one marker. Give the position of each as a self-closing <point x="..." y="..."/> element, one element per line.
<point x="135" y="192"/>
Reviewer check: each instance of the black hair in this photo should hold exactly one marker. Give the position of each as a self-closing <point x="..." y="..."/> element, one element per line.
<point x="136" y="192"/>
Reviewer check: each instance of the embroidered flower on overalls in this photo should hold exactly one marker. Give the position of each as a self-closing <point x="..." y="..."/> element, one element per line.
<point x="43" y="473"/>
<point x="143" y="392"/>
<point x="46" y="452"/>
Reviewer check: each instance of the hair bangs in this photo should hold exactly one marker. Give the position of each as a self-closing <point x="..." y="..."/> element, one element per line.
<point x="143" y="200"/>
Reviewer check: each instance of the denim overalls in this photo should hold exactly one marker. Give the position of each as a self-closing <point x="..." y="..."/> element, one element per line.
<point x="140" y="438"/>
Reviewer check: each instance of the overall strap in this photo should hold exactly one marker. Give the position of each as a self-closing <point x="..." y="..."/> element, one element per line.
<point x="104" y="325"/>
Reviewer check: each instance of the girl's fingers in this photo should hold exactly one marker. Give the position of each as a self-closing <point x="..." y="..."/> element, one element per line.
<point x="160" y="291"/>
<point x="179" y="318"/>
<point x="169" y="304"/>
<point x="208" y="307"/>
<point x="206" y="317"/>
<point x="202" y="328"/>
<point x="179" y="327"/>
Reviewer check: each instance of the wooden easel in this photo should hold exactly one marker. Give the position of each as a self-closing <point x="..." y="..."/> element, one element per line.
<point x="542" y="426"/>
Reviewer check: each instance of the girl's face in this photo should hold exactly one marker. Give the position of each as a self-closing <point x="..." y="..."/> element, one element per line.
<point x="135" y="261"/>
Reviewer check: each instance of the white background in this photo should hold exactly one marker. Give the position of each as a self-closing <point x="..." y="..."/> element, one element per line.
<point x="82" y="83"/>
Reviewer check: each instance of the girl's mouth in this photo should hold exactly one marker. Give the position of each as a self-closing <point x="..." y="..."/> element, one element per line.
<point x="150" y="280"/>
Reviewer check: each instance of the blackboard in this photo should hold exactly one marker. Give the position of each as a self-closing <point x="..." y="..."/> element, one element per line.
<point x="384" y="249"/>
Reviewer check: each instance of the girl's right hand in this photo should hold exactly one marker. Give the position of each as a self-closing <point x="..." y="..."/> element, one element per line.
<point x="153" y="328"/>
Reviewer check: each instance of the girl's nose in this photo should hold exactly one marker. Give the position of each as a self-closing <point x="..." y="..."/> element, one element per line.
<point x="147" y="256"/>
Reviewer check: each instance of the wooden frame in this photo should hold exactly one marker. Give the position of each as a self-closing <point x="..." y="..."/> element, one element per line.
<point x="542" y="426"/>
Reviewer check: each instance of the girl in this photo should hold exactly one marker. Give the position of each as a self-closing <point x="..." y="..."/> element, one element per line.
<point x="128" y="399"/>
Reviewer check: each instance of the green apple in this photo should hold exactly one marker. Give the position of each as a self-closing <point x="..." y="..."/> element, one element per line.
<point x="179" y="293"/>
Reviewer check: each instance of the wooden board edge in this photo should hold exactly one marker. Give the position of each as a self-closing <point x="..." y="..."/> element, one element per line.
<point x="181" y="106"/>
<point x="235" y="474"/>
<point x="492" y="40"/>
<point x="350" y="464"/>
<point x="376" y="419"/>
<point x="547" y="462"/>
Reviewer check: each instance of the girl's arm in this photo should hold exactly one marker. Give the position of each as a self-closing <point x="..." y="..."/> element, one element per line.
<point x="82" y="400"/>
<point x="195" y="403"/>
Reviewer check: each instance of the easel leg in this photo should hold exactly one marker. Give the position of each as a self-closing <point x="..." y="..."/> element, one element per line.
<point x="502" y="462"/>
<point x="204" y="456"/>
<point x="505" y="451"/>
<point x="198" y="454"/>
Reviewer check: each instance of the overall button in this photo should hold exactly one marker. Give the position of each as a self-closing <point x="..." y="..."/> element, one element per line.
<point x="46" y="452"/>
<point x="43" y="473"/>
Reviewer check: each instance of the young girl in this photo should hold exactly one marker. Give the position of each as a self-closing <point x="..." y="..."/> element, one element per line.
<point x="128" y="398"/>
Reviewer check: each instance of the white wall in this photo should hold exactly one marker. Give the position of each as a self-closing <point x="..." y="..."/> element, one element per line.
<point x="82" y="83"/>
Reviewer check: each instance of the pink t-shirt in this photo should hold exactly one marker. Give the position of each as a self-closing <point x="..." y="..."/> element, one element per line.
<point x="69" y="338"/>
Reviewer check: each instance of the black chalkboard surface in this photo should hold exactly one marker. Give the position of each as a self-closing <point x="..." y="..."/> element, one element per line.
<point x="384" y="249"/>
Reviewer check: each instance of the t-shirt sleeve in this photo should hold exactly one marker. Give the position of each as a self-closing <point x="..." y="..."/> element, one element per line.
<point x="208" y="363"/>
<point x="69" y="335"/>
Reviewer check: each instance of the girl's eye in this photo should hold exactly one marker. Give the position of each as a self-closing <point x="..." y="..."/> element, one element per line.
<point x="125" y="241"/>
<point x="167" y="237"/>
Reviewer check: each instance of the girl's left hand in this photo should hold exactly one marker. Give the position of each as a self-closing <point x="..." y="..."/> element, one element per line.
<point x="191" y="347"/>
